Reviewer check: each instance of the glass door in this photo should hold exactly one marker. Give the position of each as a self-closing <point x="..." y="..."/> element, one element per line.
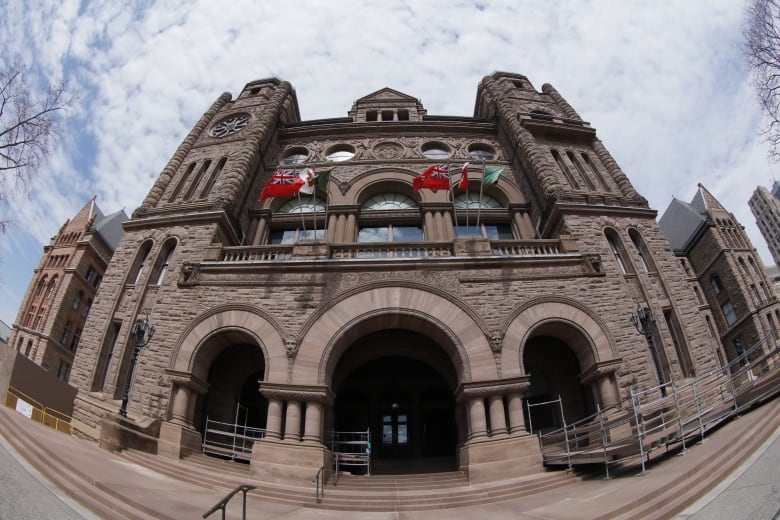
<point x="395" y="435"/>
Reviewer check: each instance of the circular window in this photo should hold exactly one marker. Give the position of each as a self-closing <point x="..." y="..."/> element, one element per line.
<point x="296" y="156"/>
<point x="340" y="153"/>
<point x="482" y="152"/>
<point x="435" y="151"/>
<point x="229" y="125"/>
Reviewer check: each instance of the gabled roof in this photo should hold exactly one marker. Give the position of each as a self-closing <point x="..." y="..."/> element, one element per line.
<point x="387" y="94"/>
<point x="682" y="222"/>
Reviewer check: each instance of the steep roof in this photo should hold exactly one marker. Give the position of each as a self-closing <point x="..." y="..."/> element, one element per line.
<point x="682" y="222"/>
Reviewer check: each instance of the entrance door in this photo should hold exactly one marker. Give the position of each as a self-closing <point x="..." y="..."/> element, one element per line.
<point x="395" y="435"/>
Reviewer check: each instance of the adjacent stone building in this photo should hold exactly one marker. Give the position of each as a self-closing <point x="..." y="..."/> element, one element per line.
<point x="428" y="318"/>
<point x="51" y="318"/>
<point x="734" y="293"/>
<point x="765" y="206"/>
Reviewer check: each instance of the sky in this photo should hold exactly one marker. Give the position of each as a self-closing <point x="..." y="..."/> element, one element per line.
<point x="664" y="84"/>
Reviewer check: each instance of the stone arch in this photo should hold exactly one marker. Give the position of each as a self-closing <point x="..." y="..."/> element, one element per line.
<point x="327" y="337"/>
<point x="195" y="351"/>
<point x="581" y="329"/>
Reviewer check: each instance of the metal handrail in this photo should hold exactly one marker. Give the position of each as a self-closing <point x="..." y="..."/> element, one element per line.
<point x="43" y="414"/>
<point x="319" y="484"/>
<point x="222" y="504"/>
<point x="653" y="421"/>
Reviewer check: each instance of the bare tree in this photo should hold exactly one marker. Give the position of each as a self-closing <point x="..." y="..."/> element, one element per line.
<point x="28" y="124"/>
<point x="762" y="49"/>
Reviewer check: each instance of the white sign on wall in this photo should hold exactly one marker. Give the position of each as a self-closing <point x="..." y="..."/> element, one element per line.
<point x="24" y="408"/>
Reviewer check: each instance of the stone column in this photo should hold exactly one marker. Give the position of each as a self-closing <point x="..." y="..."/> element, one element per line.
<point x="516" y="418"/>
<point x="273" y="425"/>
<point x="607" y="391"/>
<point x="312" y="431"/>
<point x="181" y="405"/>
<point x="430" y="228"/>
<point x="350" y="231"/>
<point x="599" y="376"/>
<point x="292" y="421"/>
<point x="497" y="417"/>
<point x="260" y="230"/>
<point x="477" y="419"/>
<point x="333" y="228"/>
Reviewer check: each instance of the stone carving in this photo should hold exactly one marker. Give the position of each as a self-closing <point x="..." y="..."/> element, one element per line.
<point x="388" y="150"/>
<point x="592" y="263"/>
<point x="190" y="274"/>
<point x="291" y="344"/>
<point x="496" y="340"/>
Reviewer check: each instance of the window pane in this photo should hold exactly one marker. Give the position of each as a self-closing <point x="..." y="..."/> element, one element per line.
<point x="470" y="231"/>
<point x="402" y="438"/>
<point x="499" y="232"/>
<point x="407" y="234"/>
<point x="374" y="234"/>
<point x="387" y="434"/>
<point x="311" y="234"/>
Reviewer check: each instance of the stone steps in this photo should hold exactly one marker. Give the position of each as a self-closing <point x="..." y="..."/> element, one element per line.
<point x="665" y="501"/>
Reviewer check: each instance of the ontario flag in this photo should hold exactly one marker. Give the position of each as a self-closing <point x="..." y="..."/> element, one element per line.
<point x="283" y="183"/>
<point x="436" y="177"/>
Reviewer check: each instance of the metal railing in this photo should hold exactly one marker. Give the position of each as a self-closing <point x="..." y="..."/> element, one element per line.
<point x="36" y="411"/>
<point x="664" y="415"/>
<point x="231" y="440"/>
<point x="350" y="449"/>
<point x="319" y="483"/>
<point x="222" y="504"/>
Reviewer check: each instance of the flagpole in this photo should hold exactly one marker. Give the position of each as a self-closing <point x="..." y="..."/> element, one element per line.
<point x="300" y="207"/>
<point x="452" y="198"/>
<point x="481" y="184"/>
<point x="314" y="202"/>
<point x="327" y="201"/>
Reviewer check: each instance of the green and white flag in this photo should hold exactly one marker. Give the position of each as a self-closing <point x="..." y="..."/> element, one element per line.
<point x="491" y="175"/>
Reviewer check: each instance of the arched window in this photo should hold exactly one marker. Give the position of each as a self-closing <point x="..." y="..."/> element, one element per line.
<point x="52" y="287"/>
<point x="301" y="230"/>
<point x="305" y="205"/>
<point x="641" y="248"/>
<point x="163" y="261"/>
<point x="616" y="246"/>
<point x="400" y="231"/>
<point x="140" y="261"/>
<point x="388" y="201"/>
<point x="41" y="285"/>
<point x="473" y="201"/>
<point x="715" y="283"/>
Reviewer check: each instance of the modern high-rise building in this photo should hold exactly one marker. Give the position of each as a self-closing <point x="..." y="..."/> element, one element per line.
<point x="361" y="294"/>
<point x="51" y="318"/>
<point x="765" y="206"/>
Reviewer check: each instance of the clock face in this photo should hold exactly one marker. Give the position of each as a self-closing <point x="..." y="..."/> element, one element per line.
<point x="229" y="125"/>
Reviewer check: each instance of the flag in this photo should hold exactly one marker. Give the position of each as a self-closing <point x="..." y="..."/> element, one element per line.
<point x="283" y="183"/>
<point x="491" y="175"/>
<point x="436" y="177"/>
<point x="464" y="177"/>
<point x="312" y="180"/>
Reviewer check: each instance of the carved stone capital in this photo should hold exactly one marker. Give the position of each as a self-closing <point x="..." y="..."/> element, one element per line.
<point x="483" y="389"/>
<point x="599" y="370"/>
<point x="298" y="393"/>
<point x="188" y="380"/>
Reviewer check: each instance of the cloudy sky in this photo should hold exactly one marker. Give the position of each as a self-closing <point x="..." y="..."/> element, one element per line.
<point x="663" y="82"/>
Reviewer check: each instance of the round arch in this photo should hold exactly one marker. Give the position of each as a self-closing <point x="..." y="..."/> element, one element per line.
<point x="202" y="342"/>
<point x="330" y="334"/>
<point x="566" y="320"/>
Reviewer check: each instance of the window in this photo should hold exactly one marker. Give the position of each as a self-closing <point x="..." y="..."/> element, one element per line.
<point x="66" y="332"/>
<point x="715" y="283"/>
<point x="143" y="255"/>
<point x="96" y="282"/>
<point x="77" y="301"/>
<point x="616" y="246"/>
<point x="437" y="151"/>
<point x="729" y="313"/>
<point x="52" y="287"/>
<point x="583" y="175"/>
<point x="163" y="261"/>
<point x="28" y="349"/>
<point x="90" y="272"/>
<point x="389" y="201"/>
<point x="291" y="236"/>
<point x="63" y="369"/>
<point x="76" y="338"/>
<point x="295" y="156"/>
<point x="87" y="307"/>
<point x="481" y="152"/>
<point x="642" y="251"/>
<point x="565" y="169"/>
<point x="473" y="201"/>
<point x="304" y="205"/>
<point x="390" y="233"/>
<point x="185" y="176"/>
<point x="340" y="153"/>
<point x="489" y="231"/>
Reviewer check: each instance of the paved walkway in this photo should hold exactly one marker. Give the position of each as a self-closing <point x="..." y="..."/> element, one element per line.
<point x="752" y="494"/>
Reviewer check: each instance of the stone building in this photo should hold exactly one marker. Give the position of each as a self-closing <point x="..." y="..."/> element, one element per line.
<point x="734" y="293"/>
<point x="428" y="318"/>
<point x="765" y="206"/>
<point x="51" y="318"/>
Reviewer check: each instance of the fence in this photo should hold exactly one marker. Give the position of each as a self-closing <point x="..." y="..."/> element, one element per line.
<point x="36" y="411"/>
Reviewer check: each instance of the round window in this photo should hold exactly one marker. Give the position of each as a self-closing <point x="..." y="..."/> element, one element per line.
<point x="481" y="152"/>
<point x="436" y="151"/>
<point x="340" y="153"/>
<point x="229" y="125"/>
<point x="296" y="156"/>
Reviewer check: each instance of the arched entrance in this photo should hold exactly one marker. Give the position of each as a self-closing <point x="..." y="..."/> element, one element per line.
<point x="554" y="372"/>
<point x="399" y="385"/>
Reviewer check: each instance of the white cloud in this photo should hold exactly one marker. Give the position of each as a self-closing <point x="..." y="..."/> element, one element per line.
<point x="662" y="82"/>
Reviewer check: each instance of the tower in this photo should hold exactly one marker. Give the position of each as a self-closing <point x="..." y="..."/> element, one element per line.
<point x="766" y="208"/>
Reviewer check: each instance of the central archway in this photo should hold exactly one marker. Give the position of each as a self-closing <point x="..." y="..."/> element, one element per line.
<point x="399" y="385"/>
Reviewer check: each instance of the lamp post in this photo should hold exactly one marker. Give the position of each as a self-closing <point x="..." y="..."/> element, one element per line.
<point x="642" y="319"/>
<point x="142" y="333"/>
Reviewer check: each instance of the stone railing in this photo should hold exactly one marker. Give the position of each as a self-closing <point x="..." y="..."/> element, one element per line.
<point x="389" y="250"/>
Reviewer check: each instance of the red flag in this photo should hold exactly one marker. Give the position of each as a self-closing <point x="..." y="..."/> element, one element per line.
<point x="283" y="183"/>
<point x="436" y="177"/>
<point x="464" y="177"/>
